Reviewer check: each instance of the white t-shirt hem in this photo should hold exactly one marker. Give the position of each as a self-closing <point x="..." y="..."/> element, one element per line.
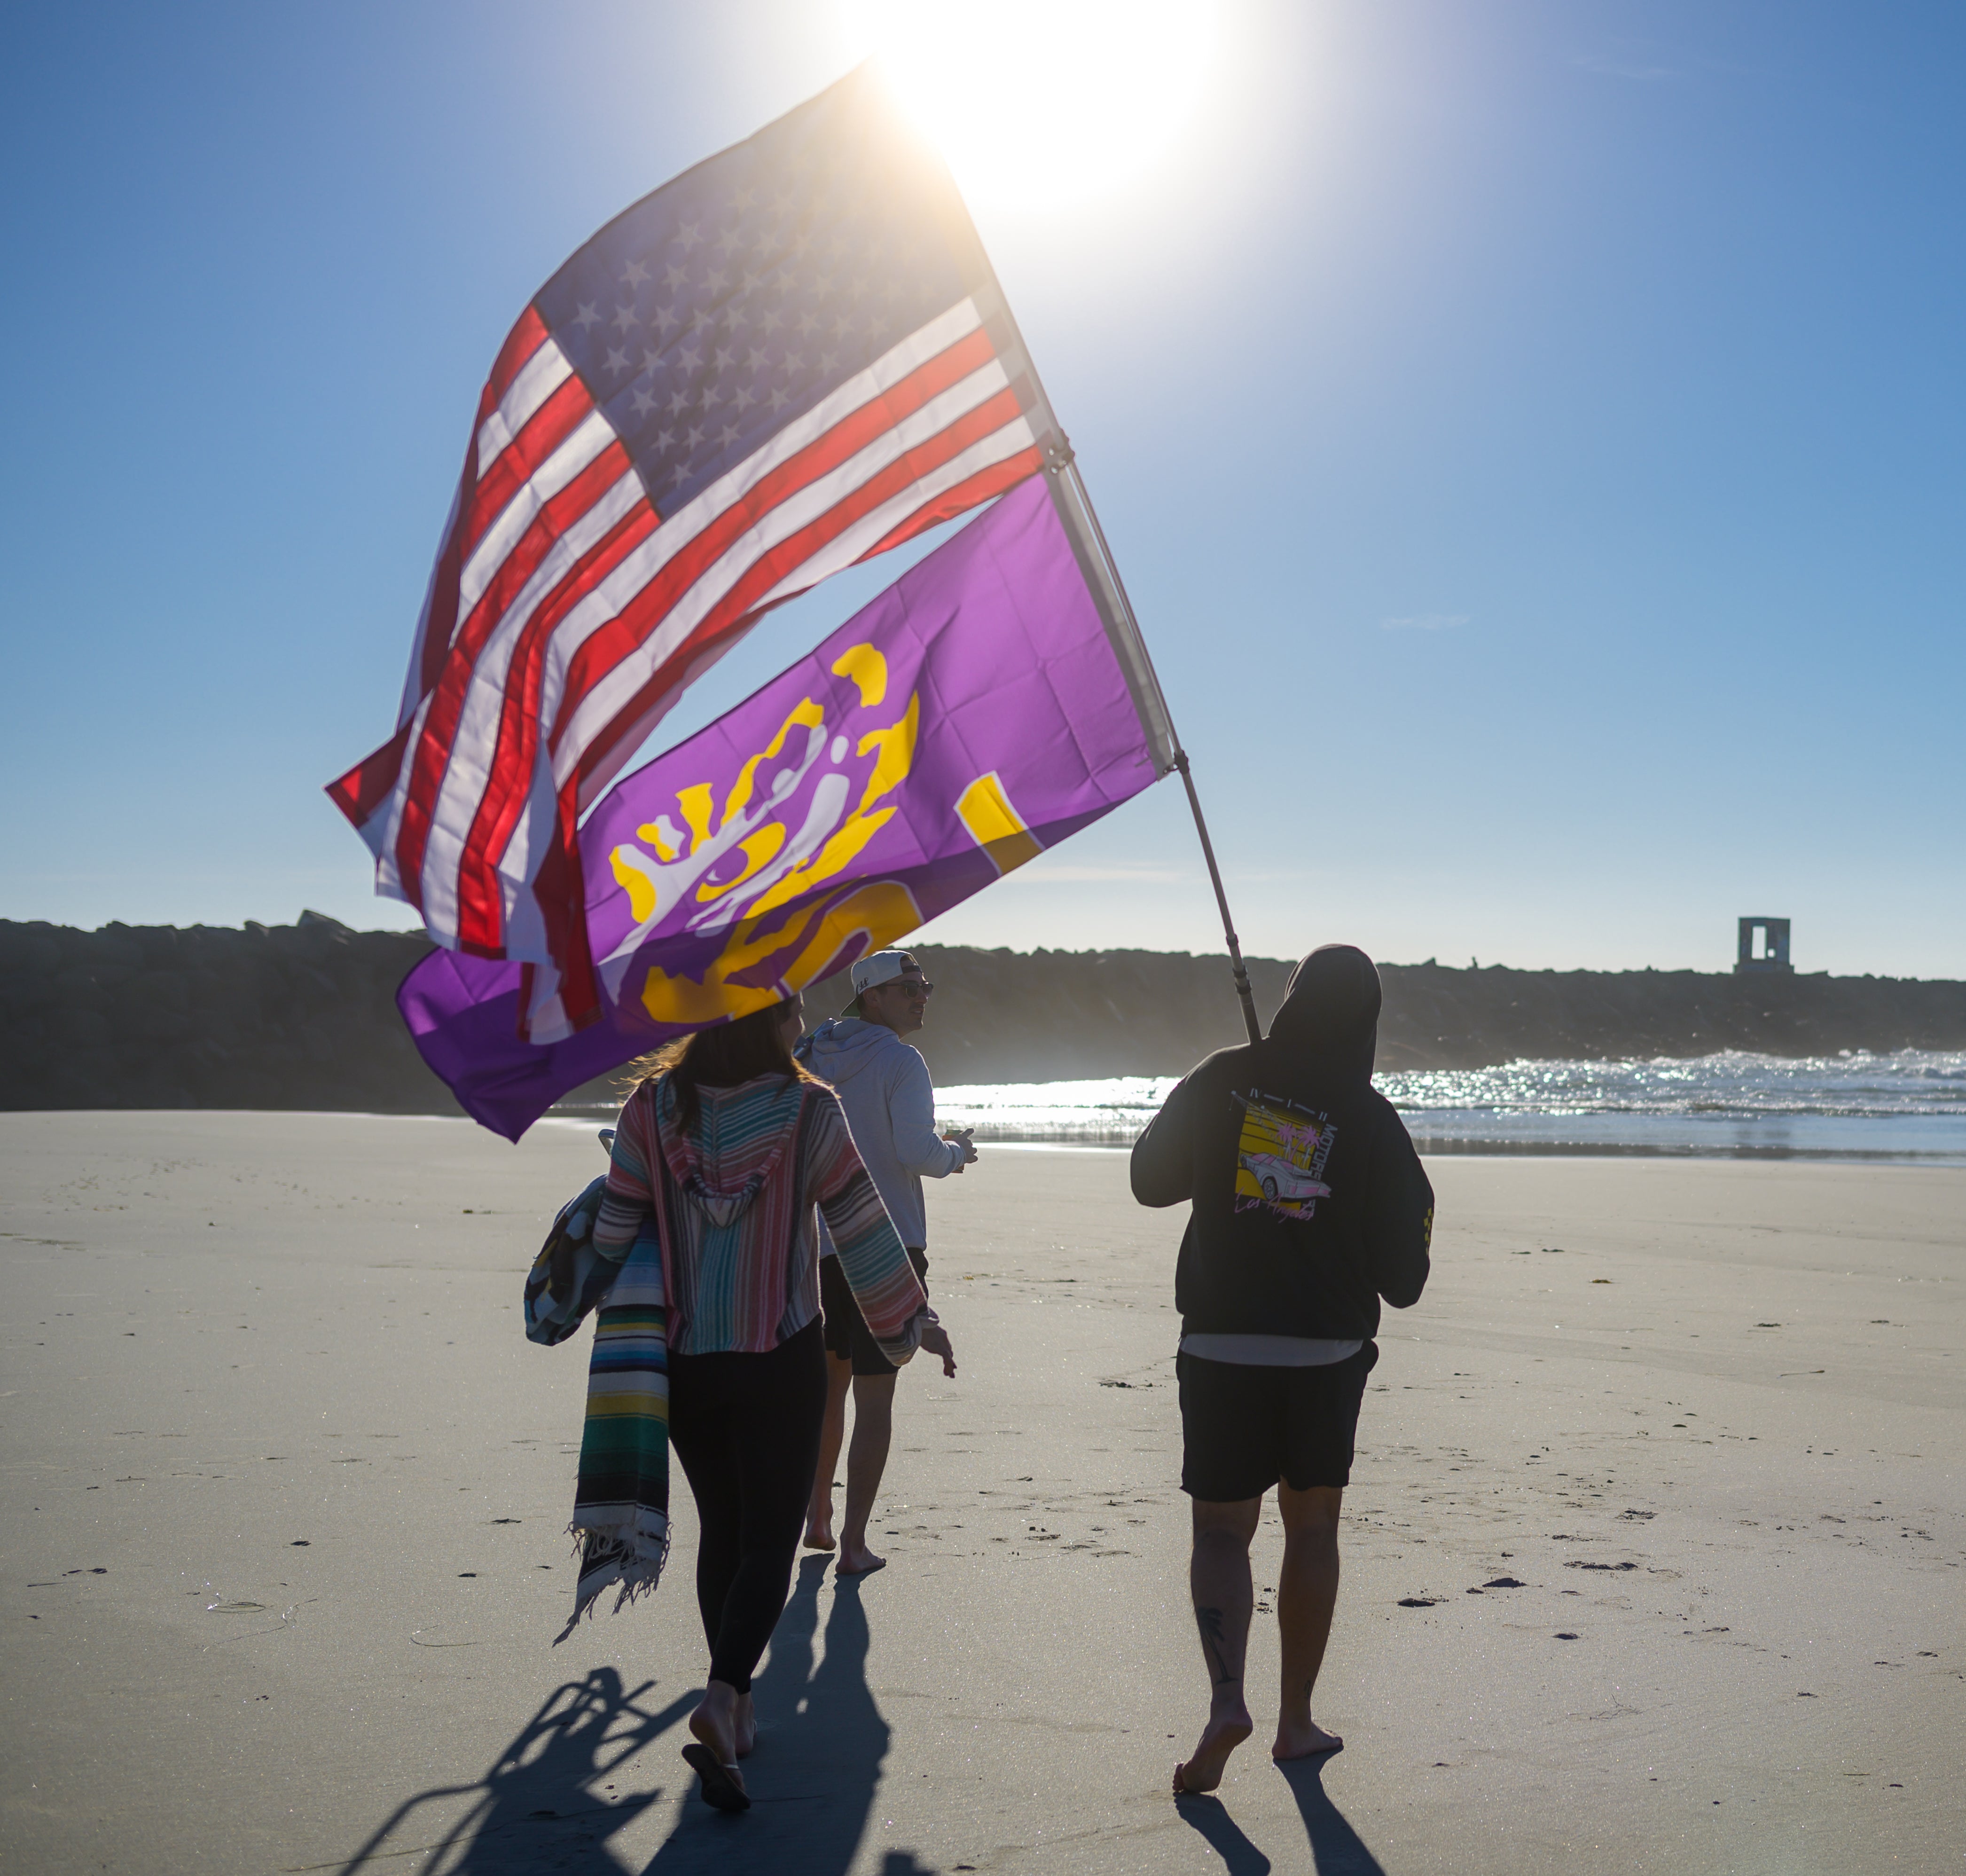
<point x="1269" y="1351"/>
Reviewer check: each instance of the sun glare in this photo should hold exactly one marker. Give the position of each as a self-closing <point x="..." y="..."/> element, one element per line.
<point x="1037" y="102"/>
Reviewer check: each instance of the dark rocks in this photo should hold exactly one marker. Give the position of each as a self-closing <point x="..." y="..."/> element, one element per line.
<point x="304" y="1015"/>
<point x="1002" y="1016"/>
<point x="290" y="1016"/>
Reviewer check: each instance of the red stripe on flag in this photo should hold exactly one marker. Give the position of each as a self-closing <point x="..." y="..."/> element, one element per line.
<point x="528" y="552"/>
<point x="440" y="614"/>
<point x="439" y="618"/>
<point x="558" y="886"/>
<point x="368" y="785"/>
<point x="733" y="613"/>
<point x="509" y="766"/>
<point x="601" y="651"/>
<point x="431" y="758"/>
<point x="983" y="486"/>
<point x="481" y="913"/>
<point x="521" y="342"/>
<point x="545" y="431"/>
<point x="563" y="900"/>
<point x="768" y="569"/>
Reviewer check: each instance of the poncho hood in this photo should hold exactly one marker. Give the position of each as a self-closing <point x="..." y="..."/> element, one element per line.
<point x="696" y="1155"/>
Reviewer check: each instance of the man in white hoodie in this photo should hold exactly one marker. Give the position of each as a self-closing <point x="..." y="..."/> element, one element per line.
<point x="884" y="1087"/>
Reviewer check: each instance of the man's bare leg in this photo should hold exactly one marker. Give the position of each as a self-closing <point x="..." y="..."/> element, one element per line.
<point x="1218" y="1581"/>
<point x="832" y="1431"/>
<point x="866" y="1460"/>
<point x="1306" y="1593"/>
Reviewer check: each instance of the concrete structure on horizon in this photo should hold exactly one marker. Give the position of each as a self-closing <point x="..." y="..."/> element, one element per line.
<point x="1774" y="953"/>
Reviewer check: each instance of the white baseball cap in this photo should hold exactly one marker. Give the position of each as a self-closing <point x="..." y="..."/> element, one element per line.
<point x="882" y="967"/>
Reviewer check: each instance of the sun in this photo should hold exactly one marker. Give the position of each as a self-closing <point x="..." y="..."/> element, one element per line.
<point x="1037" y="103"/>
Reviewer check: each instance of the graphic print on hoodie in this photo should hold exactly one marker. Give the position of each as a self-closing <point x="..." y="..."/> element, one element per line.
<point x="1350" y="1223"/>
<point x="1280" y="1155"/>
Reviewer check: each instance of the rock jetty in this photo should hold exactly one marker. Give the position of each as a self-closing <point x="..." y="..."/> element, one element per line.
<point x="303" y="1016"/>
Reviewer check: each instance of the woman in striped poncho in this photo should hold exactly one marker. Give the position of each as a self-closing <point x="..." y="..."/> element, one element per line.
<point x="731" y="1145"/>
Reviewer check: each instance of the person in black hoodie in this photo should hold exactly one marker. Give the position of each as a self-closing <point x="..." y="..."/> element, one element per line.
<point x="1310" y="1205"/>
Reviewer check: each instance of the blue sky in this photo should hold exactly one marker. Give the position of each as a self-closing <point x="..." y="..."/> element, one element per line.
<point x="1533" y="435"/>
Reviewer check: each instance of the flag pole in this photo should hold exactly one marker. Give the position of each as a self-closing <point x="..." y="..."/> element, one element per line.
<point x="1235" y="965"/>
<point x="1081" y="523"/>
<point x="1149" y="699"/>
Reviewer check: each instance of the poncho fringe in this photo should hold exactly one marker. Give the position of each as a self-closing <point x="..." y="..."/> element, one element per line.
<point x="620" y="1522"/>
<point x="621" y="1519"/>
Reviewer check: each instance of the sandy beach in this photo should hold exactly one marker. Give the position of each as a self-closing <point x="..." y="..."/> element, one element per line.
<point x="285" y="1492"/>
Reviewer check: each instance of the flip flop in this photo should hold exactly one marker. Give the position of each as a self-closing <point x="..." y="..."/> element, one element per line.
<point x="720" y="1789"/>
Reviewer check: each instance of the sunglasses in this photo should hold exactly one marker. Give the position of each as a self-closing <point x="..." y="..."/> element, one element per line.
<point x="912" y="986"/>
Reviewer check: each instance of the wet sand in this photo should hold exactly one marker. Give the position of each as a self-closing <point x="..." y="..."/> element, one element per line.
<point x="285" y="1488"/>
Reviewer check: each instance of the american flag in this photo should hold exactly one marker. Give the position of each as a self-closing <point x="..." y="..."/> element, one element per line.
<point x="791" y="358"/>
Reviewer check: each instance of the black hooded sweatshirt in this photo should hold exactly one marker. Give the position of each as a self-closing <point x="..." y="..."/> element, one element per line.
<point x="1310" y="1202"/>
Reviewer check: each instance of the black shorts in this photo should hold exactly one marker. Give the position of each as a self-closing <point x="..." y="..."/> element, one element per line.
<point x="1243" y="1428"/>
<point x="847" y="1334"/>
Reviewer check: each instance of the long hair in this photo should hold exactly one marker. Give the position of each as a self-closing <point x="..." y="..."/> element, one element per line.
<point x="721" y="1057"/>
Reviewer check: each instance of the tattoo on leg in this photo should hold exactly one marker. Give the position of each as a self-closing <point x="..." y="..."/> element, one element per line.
<point x="1209" y="1621"/>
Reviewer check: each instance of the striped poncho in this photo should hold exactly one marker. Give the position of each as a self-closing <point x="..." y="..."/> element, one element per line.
<point x="715" y="1232"/>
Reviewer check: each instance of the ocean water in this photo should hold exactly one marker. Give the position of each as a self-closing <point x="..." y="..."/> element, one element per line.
<point x="1908" y="1106"/>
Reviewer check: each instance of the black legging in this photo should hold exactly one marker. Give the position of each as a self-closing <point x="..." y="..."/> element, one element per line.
<point x="746" y="1430"/>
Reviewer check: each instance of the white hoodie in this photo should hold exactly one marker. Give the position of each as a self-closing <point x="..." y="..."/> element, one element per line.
<point x="884" y="1086"/>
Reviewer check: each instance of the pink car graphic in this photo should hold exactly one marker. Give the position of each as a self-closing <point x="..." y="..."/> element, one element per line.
<point x="1281" y="1179"/>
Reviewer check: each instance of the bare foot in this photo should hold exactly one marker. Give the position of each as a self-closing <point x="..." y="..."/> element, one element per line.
<point x="857" y="1560"/>
<point x="1220" y="1737"/>
<point x="746" y="1725"/>
<point x="715" y="1723"/>
<point x="819" y="1533"/>
<point x="1303" y="1742"/>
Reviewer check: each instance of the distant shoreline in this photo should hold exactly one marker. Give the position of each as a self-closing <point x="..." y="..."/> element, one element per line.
<point x="1434" y="1147"/>
<point x="303" y="1016"/>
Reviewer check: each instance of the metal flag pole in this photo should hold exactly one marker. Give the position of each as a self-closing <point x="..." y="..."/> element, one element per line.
<point x="1235" y="965"/>
<point x="1102" y="572"/>
<point x="1147" y="697"/>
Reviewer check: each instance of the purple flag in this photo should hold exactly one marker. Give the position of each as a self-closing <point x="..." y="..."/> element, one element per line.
<point x="974" y="715"/>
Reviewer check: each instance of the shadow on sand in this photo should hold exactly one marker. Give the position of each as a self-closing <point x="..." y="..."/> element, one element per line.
<point x="552" y="1791"/>
<point x="821" y="1741"/>
<point x="558" y="1793"/>
<point x="1336" y="1849"/>
<point x="1207" y="1815"/>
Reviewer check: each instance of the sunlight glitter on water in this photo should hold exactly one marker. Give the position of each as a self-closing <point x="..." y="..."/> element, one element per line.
<point x="1908" y="1105"/>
